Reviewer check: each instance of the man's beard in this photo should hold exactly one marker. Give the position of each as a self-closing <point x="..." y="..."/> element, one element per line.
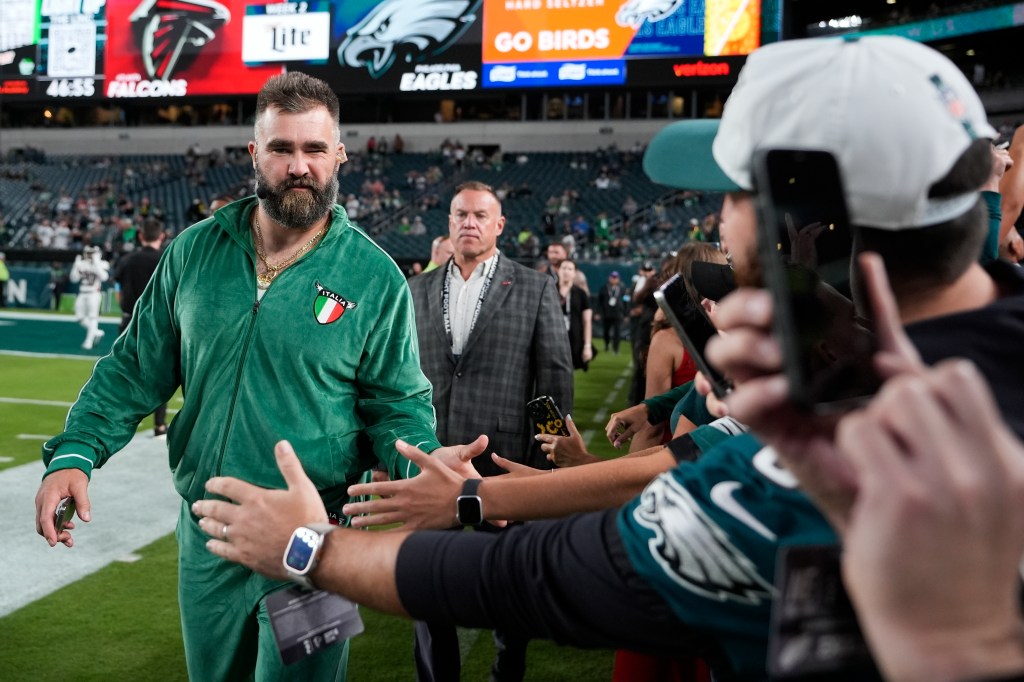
<point x="297" y="209"/>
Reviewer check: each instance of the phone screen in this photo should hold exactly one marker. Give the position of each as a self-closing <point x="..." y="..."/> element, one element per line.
<point x="693" y="327"/>
<point x="806" y="245"/>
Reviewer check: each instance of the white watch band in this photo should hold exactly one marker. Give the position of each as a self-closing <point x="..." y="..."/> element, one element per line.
<point x="322" y="529"/>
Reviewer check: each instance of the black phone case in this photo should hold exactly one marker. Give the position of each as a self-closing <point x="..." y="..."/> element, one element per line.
<point x="693" y="328"/>
<point x="806" y="390"/>
<point x="814" y="631"/>
<point x="546" y="416"/>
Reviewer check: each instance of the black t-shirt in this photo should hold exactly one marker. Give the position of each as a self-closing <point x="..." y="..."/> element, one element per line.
<point x="992" y="337"/>
<point x="133" y="273"/>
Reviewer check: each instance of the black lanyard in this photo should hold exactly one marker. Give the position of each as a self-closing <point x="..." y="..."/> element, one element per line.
<point x="488" y="276"/>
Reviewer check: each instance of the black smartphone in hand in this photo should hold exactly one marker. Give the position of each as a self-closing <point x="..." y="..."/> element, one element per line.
<point x="546" y="416"/>
<point x="807" y="248"/>
<point x="691" y="323"/>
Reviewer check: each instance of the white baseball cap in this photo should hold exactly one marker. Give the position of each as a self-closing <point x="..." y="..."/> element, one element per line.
<point x="896" y="114"/>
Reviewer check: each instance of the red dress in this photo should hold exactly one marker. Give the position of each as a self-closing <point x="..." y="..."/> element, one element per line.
<point x="683" y="374"/>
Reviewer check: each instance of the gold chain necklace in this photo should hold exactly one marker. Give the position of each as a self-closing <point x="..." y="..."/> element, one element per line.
<point x="265" y="279"/>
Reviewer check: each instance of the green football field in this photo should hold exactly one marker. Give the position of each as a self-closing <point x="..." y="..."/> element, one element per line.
<point x="121" y="622"/>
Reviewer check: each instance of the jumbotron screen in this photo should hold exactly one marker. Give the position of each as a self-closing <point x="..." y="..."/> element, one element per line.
<point x="568" y="42"/>
<point x="115" y="49"/>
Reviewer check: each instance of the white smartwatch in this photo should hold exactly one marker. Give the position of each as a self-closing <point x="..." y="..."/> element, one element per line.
<point x="303" y="552"/>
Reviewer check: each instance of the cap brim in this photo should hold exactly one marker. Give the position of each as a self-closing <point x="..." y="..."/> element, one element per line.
<point x="680" y="156"/>
<point x="712" y="281"/>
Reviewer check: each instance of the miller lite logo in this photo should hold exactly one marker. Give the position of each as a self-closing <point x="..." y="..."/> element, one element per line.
<point x="171" y="33"/>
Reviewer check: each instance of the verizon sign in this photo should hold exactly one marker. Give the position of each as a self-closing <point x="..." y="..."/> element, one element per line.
<point x="701" y="69"/>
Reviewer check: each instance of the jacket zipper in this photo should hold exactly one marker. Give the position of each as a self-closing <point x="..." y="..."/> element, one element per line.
<point x="238" y="382"/>
<point x="238" y="376"/>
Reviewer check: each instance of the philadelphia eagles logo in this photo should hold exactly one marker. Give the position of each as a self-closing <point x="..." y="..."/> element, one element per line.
<point x="329" y="306"/>
<point x="171" y="33"/>
<point x="693" y="550"/>
<point x="412" y="29"/>
<point x="634" y="12"/>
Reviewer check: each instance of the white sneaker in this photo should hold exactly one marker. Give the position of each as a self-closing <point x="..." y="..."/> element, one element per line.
<point x="87" y="346"/>
<point x="99" y="335"/>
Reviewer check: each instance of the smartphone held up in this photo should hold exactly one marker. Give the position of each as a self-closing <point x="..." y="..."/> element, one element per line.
<point x="807" y="254"/>
<point x="691" y="324"/>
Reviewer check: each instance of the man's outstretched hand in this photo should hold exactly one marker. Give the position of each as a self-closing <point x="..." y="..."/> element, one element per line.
<point x="253" y="529"/>
<point x="426" y="500"/>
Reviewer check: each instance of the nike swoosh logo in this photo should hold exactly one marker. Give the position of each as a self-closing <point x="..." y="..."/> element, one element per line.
<point x="721" y="495"/>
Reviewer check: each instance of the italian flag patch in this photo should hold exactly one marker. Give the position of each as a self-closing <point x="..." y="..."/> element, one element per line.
<point x="329" y="306"/>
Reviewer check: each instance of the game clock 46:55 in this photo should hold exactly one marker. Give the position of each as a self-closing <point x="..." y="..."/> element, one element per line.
<point x="71" y="87"/>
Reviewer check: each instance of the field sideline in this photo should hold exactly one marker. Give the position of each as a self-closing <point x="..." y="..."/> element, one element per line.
<point x="107" y="609"/>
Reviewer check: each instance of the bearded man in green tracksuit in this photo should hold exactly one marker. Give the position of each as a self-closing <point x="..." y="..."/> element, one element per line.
<point x="279" y="319"/>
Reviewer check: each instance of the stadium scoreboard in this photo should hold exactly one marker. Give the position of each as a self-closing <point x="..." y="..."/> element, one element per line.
<point x="134" y="49"/>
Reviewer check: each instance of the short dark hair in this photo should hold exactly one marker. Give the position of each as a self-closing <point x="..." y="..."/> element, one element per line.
<point x="152" y="229"/>
<point x="294" y="93"/>
<point x="920" y="258"/>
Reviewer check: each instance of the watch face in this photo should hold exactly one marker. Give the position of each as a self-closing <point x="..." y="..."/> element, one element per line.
<point x="301" y="549"/>
<point x="470" y="510"/>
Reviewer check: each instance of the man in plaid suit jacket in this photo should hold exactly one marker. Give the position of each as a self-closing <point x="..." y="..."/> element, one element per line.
<point x="492" y="337"/>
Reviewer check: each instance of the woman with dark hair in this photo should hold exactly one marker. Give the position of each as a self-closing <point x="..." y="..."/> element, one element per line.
<point x="577" y="313"/>
<point x="665" y="362"/>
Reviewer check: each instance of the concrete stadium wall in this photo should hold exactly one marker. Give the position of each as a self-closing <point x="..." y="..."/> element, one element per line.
<point x="527" y="136"/>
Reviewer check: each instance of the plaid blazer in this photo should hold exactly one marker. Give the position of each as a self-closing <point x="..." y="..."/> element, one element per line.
<point x="518" y="350"/>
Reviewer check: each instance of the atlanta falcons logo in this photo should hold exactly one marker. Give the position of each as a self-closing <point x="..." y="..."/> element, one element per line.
<point x="171" y="33"/>
<point x="634" y="12"/>
<point x="415" y="29"/>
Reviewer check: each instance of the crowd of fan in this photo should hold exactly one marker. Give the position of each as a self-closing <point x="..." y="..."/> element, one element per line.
<point x="104" y="213"/>
<point x="98" y="217"/>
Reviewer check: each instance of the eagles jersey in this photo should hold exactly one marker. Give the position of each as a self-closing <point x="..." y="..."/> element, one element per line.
<point x="705" y="537"/>
<point x="90" y="274"/>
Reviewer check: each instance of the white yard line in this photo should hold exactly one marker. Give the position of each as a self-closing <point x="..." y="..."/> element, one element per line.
<point x="59" y="403"/>
<point x="51" y="356"/>
<point x="52" y="317"/>
<point x="32" y="401"/>
<point x="133" y="503"/>
<point x="601" y="416"/>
